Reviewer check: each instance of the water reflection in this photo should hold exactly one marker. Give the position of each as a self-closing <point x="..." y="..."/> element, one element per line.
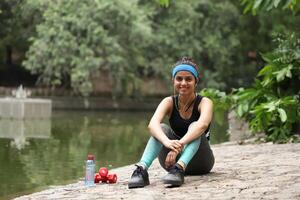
<point x="21" y="130"/>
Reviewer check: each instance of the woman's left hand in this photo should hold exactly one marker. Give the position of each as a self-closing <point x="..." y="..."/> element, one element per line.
<point x="170" y="159"/>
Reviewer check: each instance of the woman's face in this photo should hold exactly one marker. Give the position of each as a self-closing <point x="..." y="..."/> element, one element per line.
<point x="184" y="82"/>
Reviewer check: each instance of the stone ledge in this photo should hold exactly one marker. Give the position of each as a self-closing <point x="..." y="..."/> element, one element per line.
<point x="27" y="108"/>
<point x="264" y="171"/>
<point x="103" y="103"/>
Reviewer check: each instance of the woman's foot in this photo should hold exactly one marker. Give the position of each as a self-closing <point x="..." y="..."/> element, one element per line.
<point x="175" y="177"/>
<point x="139" y="178"/>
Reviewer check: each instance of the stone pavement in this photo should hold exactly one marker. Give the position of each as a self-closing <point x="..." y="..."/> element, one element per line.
<point x="253" y="171"/>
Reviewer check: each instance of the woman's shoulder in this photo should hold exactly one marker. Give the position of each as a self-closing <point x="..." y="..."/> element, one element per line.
<point x="206" y="101"/>
<point x="166" y="105"/>
<point x="203" y="98"/>
<point x="168" y="100"/>
<point x="199" y="96"/>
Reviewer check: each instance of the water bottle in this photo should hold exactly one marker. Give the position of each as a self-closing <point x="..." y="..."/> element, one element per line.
<point x="90" y="171"/>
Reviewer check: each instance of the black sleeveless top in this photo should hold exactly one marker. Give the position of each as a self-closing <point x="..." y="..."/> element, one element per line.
<point x="180" y="125"/>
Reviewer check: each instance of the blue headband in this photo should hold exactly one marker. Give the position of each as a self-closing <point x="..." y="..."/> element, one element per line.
<point x="185" y="67"/>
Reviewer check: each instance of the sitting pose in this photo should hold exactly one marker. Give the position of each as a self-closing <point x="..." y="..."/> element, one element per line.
<point x="182" y="147"/>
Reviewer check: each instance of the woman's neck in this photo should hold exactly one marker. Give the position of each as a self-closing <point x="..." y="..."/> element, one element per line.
<point x="185" y="99"/>
<point x="185" y="102"/>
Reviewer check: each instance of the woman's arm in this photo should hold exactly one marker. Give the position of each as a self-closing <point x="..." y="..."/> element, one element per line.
<point x="163" y="109"/>
<point x="199" y="126"/>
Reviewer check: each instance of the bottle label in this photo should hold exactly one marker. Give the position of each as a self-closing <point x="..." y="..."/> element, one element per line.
<point x="89" y="173"/>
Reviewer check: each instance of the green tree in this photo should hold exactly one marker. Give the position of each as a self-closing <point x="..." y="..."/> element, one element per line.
<point x="78" y="38"/>
<point x="186" y="29"/>
<point x="272" y="105"/>
<point x="256" y="5"/>
<point x="69" y="45"/>
<point x="18" y="19"/>
<point x="219" y="37"/>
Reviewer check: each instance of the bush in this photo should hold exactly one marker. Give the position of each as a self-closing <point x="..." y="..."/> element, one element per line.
<point x="272" y="105"/>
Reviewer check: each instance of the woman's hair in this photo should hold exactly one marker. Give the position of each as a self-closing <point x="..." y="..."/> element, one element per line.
<point x="188" y="61"/>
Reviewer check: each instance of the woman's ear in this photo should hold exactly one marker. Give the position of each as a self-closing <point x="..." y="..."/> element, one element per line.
<point x="196" y="84"/>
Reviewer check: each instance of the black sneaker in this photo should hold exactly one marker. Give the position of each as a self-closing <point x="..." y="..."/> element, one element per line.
<point x="139" y="178"/>
<point x="175" y="177"/>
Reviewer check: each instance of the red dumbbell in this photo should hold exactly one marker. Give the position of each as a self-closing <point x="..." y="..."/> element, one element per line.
<point x="112" y="178"/>
<point x="104" y="177"/>
<point x="101" y="176"/>
<point x="103" y="172"/>
<point x="97" y="178"/>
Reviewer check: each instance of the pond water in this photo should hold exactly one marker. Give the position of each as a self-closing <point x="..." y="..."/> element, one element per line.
<point x="38" y="153"/>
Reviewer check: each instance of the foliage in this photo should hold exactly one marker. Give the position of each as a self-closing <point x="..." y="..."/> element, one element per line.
<point x="227" y="58"/>
<point x="255" y="5"/>
<point x="71" y="43"/>
<point x="17" y="23"/>
<point x="273" y="104"/>
<point x="18" y="20"/>
<point x="67" y="51"/>
<point x="69" y="46"/>
<point x="221" y="101"/>
<point x="164" y="2"/>
<point x="185" y="29"/>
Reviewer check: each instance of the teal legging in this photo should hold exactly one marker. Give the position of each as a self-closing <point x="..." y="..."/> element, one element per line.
<point x="197" y="155"/>
<point x="154" y="147"/>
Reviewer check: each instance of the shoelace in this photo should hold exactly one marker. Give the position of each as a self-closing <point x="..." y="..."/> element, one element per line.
<point x="138" y="170"/>
<point x="175" y="169"/>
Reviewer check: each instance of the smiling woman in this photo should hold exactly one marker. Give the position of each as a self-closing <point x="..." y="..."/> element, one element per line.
<point x="184" y="85"/>
<point x="182" y="146"/>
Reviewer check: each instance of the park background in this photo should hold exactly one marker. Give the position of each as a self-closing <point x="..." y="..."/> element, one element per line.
<point x="114" y="58"/>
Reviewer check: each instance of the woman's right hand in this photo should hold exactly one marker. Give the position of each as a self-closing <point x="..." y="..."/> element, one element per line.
<point x="174" y="145"/>
<point x="170" y="159"/>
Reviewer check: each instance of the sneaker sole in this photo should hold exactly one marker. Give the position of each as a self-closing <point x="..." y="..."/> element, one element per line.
<point x="173" y="183"/>
<point x="137" y="185"/>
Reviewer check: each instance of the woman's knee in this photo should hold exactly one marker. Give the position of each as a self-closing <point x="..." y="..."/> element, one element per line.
<point x="202" y="163"/>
